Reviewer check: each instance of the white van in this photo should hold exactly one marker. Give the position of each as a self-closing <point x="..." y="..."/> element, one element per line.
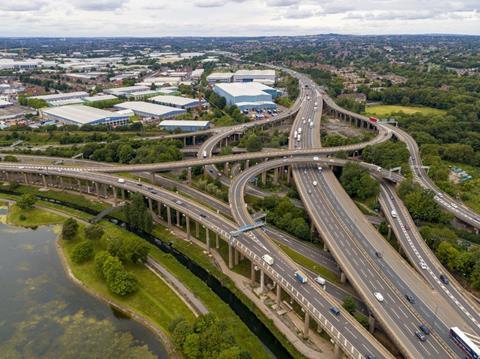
<point x="267" y="258"/>
<point x="320" y="280"/>
<point x="394" y="213"/>
<point x="315" y="183"/>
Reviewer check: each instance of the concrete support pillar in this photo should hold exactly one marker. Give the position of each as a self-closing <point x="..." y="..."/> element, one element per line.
<point x="217" y="242"/>
<point x="306" y="325"/>
<point x="289" y="174"/>
<point x="252" y="273"/>
<point x="159" y="209"/>
<point x="275" y="176"/>
<point x="197" y="230"/>
<point x="187" y="219"/>
<point x="178" y="218"/>
<point x="247" y="164"/>
<point x="207" y="239"/>
<point x="336" y="350"/>
<point x="235" y="256"/>
<point x="25" y="178"/>
<point x="79" y="185"/>
<point x="343" y="278"/>
<point x="150" y="204"/>
<point x="230" y="256"/>
<point x="194" y="140"/>
<point x="184" y="142"/>
<point x="264" y="178"/>
<point x="97" y="189"/>
<point x="319" y="328"/>
<point x="189" y="175"/>
<point x="123" y="194"/>
<point x="389" y="234"/>
<point x="62" y="185"/>
<point x="225" y="169"/>
<point x="325" y="248"/>
<point x="278" y="298"/>
<point x="371" y="323"/>
<point x="169" y="216"/>
<point x="262" y="281"/>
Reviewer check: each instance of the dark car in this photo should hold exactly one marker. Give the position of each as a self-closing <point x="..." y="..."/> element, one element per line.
<point x="379" y="254"/>
<point x="424" y="329"/>
<point x="421" y="336"/>
<point x="410" y="298"/>
<point x="203" y="215"/>
<point x="335" y="311"/>
<point x="444" y="279"/>
<point x="370" y="356"/>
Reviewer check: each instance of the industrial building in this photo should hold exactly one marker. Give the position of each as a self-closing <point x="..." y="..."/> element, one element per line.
<point x="84" y="115"/>
<point x="263" y="76"/>
<point x="184" y="126"/>
<point x="219" y="77"/>
<point x="177" y="101"/>
<point x="197" y="74"/>
<point x="99" y="98"/>
<point x="124" y="91"/>
<point x="247" y="96"/>
<point x="55" y="98"/>
<point x="150" y="110"/>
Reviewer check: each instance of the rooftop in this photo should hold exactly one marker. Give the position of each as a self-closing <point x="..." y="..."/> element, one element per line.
<point x="247" y="72"/>
<point x="220" y="75"/>
<point x="244" y="88"/>
<point x="80" y="113"/>
<point x="57" y="96"/>
<point x="175" y="100"/>
<point x="149" y="108"/>
<point x="100" y="98"/>
<point x="186" y="123"/>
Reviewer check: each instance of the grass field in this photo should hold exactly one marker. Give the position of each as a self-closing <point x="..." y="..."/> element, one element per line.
<point x="32" y="218"/>
<point x="384" y="110"/>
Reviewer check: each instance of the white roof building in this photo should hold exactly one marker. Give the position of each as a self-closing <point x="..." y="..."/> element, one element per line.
<point x="61" y="96"/>
<point x="147" y="109"/>
<point x="98" y="98"/>
<point x="215" y="77"/>
<point x="247" y="95"/>
<point x="267" y="76"/>
<point x="123" y="91"/>
<point x="184" y="126"/>
<point x="196" y="74"/>
<point x="82" y="115"/>
<point x="177" y="101"/>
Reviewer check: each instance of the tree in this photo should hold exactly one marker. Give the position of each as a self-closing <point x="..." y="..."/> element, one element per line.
<point x="83" y="252"/>
<point x="26" y="201"/>
<point x="253" y="143"/>
<point x="69" y="229"/>
<point x="180" y="333"/>
<point x="118" y="280"/>
<point x="94" y="232"/>
<point x="191" y="346"/>
<point x="100" y="259"/>
<point x="10" y="158"/>
<point x="131" y="249"/>
<point x="349" y="304"/>
<point x="137" y="213"/>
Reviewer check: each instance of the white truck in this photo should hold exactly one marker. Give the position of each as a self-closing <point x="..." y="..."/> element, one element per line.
<point x="268" y="259"/>
<point x="299" y="137"/>
<point x="299" y="130"/>
<point x="204" y="154"/>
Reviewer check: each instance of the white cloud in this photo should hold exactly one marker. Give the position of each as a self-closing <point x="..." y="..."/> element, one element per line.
<point x="235" y="17"/>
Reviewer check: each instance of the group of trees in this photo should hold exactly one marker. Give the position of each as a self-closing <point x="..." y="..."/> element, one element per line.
<point x="207" y="338"/>
<point x="32" y="102"/>
<point x="117" y="278"/>
<point x="26" y="201"/>
<point x="358" y="182"/>
<point x="387" y="154"/>
<point x="137" y="214"/>
<point x="254" y="141"/>
<point x="334" y="139"/>
<point x="47" y="83"/>
<point x="282" y="213"/>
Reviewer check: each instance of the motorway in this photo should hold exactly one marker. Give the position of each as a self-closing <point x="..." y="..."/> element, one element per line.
<point x="344" y="234"/>
<point x="451" y="205"/>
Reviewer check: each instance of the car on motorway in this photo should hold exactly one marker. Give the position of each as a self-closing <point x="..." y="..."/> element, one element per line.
<point x="454" y="205"/>
<point x="316" y="158"/>
<point x="394" y="213"/>
<point x="320" y="168"/>
<point x="424" y="329"/>
<point x="423" y="265"/>
<point x="410" y="298"/>
<point x="268" y="259"/>
<point x="309" y="191"/>
<point x="178" y="202"/>
<point x="121" y="180"/>
<point x="444" y="279"/>
<point x="420" y="336"/>
<point x="335" y="311"/>
<point x="320" y="280"/>
<point x="379" y="296"/>
<point x="314" y="183"/>
<point x="370" y="356"/>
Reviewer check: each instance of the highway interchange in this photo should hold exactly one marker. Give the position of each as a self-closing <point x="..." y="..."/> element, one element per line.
<point x="353" y="242"/>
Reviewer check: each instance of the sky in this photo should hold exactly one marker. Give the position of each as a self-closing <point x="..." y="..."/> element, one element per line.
<point x="236" y="17"/>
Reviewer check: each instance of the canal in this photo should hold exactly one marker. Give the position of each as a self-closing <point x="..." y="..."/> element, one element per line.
<point x="44" y="315"/>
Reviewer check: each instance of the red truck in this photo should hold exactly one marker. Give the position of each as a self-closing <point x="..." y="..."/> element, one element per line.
<point x="373" y="119"/>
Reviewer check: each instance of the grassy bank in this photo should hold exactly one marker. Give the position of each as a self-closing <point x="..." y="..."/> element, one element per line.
<point x="31" y="218"/>
<point x="385" y="110"/>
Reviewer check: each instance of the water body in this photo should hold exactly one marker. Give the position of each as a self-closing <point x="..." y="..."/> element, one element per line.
<point x="44" y="315"/>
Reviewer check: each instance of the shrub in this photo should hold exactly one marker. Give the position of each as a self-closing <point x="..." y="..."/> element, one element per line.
<point x="118" y="280"/>
<point x="69" y="229"/>
<point x="100" y="259"/>
<point x="94" y="232"/>
<point x="83" y="252"/>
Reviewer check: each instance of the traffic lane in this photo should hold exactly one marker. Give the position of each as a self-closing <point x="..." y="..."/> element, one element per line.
<point x="370" y="283"/>
<point x="415" y="247"/>
<point x="312" y="295"/>
<point x="399" y="316"/>
<point x="421" y="308"/>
